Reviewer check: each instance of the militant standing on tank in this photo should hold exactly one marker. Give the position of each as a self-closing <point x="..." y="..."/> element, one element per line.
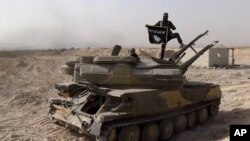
<point x="170" y="35"/>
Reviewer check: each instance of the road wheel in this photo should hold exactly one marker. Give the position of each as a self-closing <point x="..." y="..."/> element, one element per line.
<point x="131" y="133"/>
<point x="150" y="132"/>
<point x="192" y="119"/>
<point x="166" y="130"/>
<point x="213" y="109"/>
<point x="112" y="135"/>
<point x="181" y="123"/>
<point x="202" y="115"/>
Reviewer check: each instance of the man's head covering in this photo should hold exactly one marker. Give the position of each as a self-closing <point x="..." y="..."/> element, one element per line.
<point x="165" y="16"/>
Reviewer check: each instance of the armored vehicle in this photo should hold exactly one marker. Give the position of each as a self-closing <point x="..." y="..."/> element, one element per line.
<point x="121" y="98"/>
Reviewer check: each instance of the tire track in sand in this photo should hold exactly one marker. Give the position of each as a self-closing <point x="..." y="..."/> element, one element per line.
<point x="235" y="87"/>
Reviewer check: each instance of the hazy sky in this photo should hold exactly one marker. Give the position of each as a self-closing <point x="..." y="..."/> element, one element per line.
<point x="103" y="23"/>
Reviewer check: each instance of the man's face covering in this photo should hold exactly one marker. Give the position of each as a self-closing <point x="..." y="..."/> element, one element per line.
<point x="165" y="17"/>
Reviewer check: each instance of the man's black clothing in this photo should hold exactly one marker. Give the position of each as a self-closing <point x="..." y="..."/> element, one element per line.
<point x="170" y="35"/>
<point x="170" y="26"/>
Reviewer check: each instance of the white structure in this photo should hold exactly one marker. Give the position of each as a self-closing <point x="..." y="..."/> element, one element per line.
<point x="218" y="57"/>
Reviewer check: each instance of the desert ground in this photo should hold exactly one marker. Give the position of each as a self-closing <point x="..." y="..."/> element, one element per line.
<point x="27" y="79"/>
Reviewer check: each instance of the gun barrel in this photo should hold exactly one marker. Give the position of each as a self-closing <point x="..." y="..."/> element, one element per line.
<point x="178" y="53"/>
<point x="189" y="62"/>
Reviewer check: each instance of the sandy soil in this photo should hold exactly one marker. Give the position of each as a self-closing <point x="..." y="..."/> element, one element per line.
<point x="27" y="80"/>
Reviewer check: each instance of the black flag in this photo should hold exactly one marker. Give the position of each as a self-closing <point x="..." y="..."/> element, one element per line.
<point x="157" y="34"/>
